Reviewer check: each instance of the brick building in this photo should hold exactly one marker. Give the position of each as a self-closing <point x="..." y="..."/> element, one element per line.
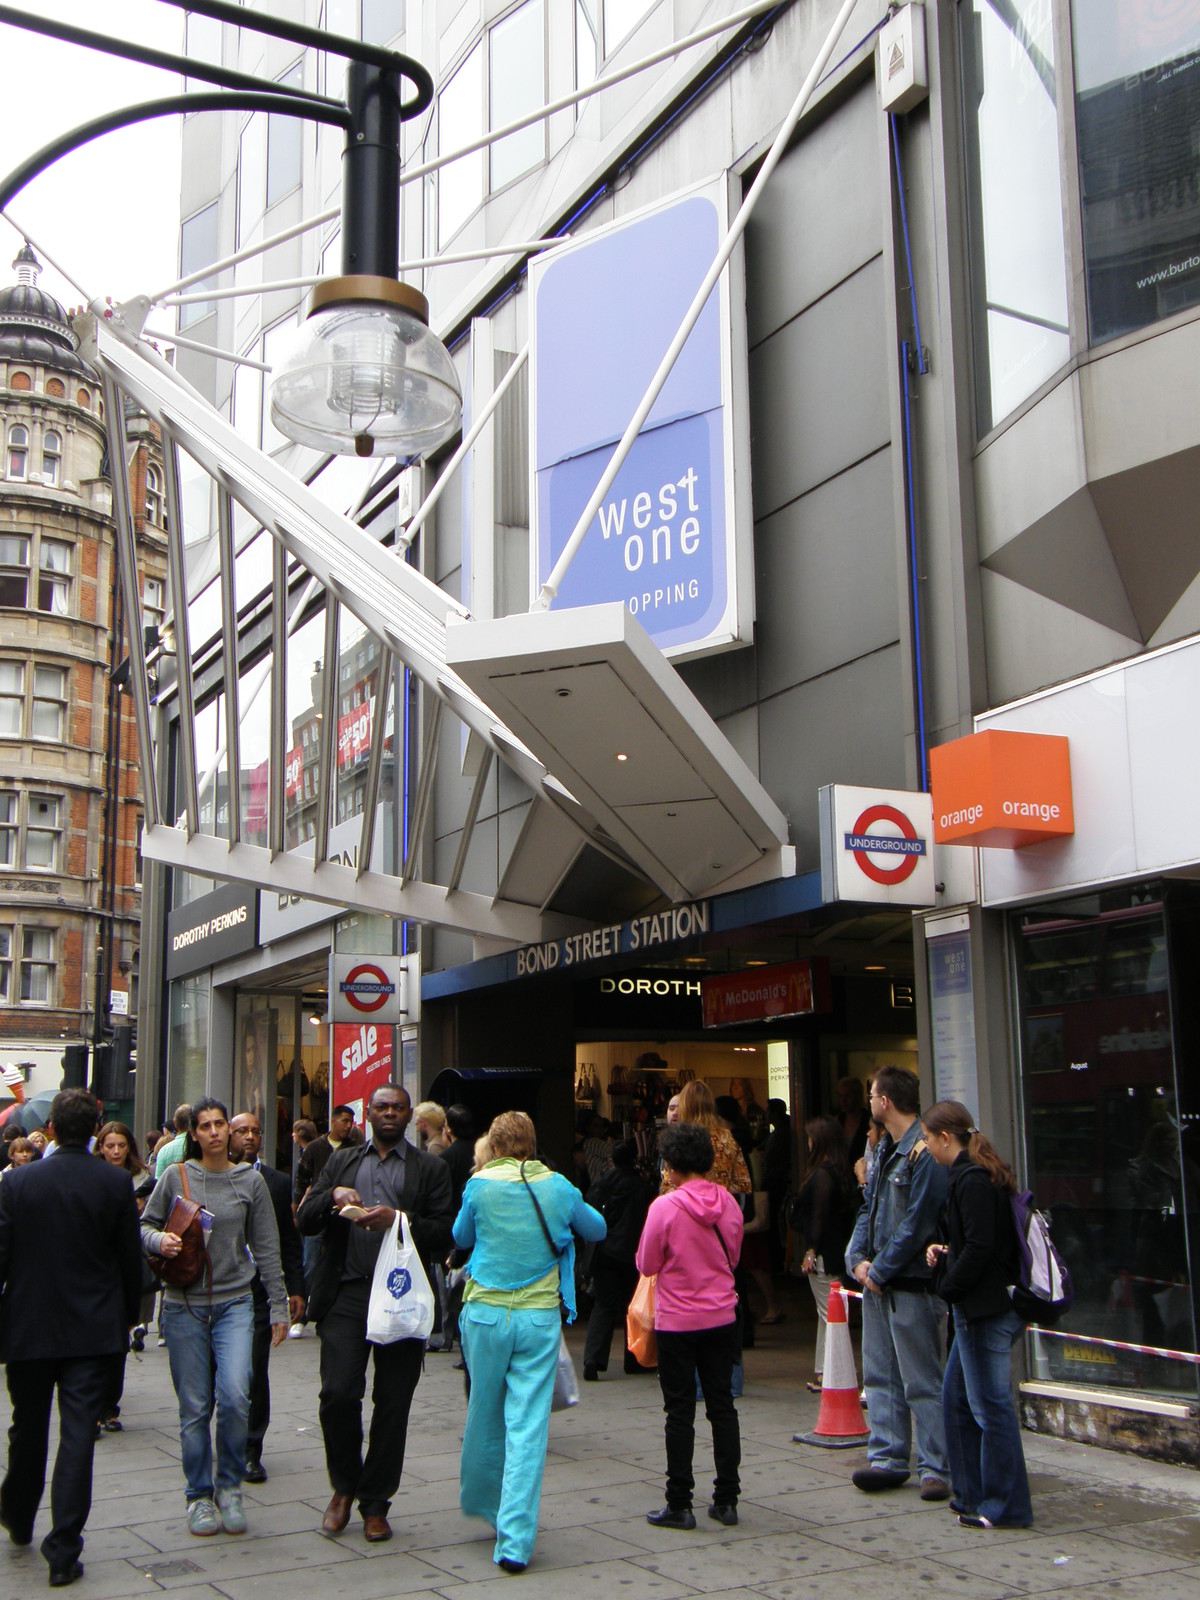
<point x="70" y="815"/>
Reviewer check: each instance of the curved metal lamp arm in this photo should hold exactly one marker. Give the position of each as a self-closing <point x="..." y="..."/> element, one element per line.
<point x="130" y="50"/>
<point x="337" y="116"/>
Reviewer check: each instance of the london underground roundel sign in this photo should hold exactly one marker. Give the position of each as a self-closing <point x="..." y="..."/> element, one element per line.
<point x="367" y="987"/>
<point x="870" y="847"/>
<point x="877" y="846"/>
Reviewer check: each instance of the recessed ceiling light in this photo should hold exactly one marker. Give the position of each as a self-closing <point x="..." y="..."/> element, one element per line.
<point x="755" y="961"/>
<point x="695" y="961"/>
<point x="875" y="969"/>
<point x="621" y="756"/>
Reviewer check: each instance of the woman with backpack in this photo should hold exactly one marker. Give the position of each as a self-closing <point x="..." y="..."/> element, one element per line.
<point x="973" y="1271"/>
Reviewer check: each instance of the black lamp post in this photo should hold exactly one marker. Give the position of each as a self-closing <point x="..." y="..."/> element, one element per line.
<point x="364" y="371"/>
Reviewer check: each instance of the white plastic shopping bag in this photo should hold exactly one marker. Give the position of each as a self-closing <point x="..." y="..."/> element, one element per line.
<point x="566" y="1385"/>
<point x="401" y="1303"/>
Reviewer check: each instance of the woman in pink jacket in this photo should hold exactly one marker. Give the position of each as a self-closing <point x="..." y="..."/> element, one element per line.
<point x="691" y="1243"/>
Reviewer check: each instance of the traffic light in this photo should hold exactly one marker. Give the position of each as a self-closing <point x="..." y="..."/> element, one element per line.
<point x="75" y="1066"/>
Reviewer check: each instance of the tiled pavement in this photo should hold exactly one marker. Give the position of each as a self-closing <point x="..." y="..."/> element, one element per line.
<point x="1107" y="1525"/>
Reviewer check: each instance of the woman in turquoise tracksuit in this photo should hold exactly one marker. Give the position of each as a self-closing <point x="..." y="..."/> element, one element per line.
<point x="521" y="1262"/>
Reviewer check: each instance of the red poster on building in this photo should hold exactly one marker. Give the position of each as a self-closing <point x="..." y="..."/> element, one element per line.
<point x="354" y="734"/>
<point x="791" y="990"/>
<point x="293" y="763"/>
<point x="362" y="1059"/>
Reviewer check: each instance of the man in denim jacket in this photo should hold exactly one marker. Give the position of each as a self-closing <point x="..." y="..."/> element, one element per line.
<point x="903" y="1321"/>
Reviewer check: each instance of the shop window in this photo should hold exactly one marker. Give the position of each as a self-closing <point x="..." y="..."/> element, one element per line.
<point x="1014" y="196"/>
<point x="20" y="381"/>
<point x="18" y="451"/>
<point x="14" y="570"/>
<point x="1103" y="1134"/>
<point x="284" y="146"/>
<point x="54" y="576"/>
<point x="1137" y="121"/>
<point x="55" y="388"/>
<point x="37" y="967"/>
<point x="51" y="457"/>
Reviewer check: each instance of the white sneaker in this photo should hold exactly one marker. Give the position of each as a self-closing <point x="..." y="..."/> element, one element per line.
<point x="202" y="1518"/>
<point x="230" y="1511"/>
<point x="296" y="1331"/>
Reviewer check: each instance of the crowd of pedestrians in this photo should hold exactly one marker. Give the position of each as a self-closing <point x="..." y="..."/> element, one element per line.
<point x="241" y="1256"/>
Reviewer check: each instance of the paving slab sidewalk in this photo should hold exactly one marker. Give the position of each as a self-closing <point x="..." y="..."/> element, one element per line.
<point x="1107" y="1525"/>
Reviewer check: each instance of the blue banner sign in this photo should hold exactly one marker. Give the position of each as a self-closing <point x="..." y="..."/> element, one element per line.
<point x="665" y="539"/>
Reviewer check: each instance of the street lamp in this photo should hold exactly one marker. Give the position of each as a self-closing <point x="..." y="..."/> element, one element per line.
<point x="363" y="371"/>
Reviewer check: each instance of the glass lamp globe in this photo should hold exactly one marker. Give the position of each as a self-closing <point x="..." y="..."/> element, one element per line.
<point x="365" y="376"/>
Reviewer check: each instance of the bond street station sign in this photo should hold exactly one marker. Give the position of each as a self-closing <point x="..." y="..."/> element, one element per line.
<point x="644" y="934"/>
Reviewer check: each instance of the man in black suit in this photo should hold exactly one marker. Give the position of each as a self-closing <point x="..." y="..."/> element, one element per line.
<point x="71" y="1270"/>
<point x="383" y="1175"/>
<point x="245" y="1142"/>
<point x="318" y="1151"/>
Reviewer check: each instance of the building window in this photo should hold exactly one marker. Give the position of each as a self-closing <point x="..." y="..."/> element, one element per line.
<point x="20" y="381"/>
<point x="37" y="966"/>
<point x="30" y="841"/>
<point x="55" y="389"/>
<point x="8" y="828"/>
<point x="51" y="457"/>
<point x="14" y="570"/>
<point x="517" y="87"/>
<point x="138" y="826"/>
<point x="460" y="121"/>
<point x="153" y="601"/>
<point x="18" y="448"/>
<point x="197" y="248"/>
<point x="42" y="830"/>
<point x="49" y="706"/>
<point x="6" y="942"/>
<point x="54" y="577"/>
<point x="84" y="399"/>
<point x="620" y="18"/>
<point x="284" y="146"/>
<point x="12" y="697"/>
<point x="1136" y="112"/>
<point x="1014" y="200"/>
<point x="154" y="495"/>
<point x="588" y="50"/>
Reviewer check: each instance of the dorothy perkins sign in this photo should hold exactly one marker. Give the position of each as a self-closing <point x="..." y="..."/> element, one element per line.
<point x="665" y="541"/>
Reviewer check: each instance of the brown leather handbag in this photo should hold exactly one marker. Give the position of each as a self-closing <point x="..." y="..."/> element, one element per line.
<point x="189" y="1266"/>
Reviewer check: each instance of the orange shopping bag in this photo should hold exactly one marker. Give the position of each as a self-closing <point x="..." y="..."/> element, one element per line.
<point x="639" y="1324"/>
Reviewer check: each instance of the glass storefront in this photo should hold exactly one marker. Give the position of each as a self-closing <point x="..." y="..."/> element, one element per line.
<point x="1137" y="118"/>
<point x="281" y="1067"/>
<point x="1108" y="1139"/>
<point x="1014" y="194"/>
<point x="187" y="1042"/>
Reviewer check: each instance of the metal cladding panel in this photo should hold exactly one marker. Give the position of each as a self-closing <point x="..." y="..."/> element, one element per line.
<point x="586" y="687"/>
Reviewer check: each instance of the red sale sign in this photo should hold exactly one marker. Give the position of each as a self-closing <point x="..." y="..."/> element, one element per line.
<point x="354" y="734"/>
<point x="292" y="765"/>
<point x="362" y="1059"/>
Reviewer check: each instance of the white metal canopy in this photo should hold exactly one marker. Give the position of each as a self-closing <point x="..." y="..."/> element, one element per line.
<point x="688" y="815"/>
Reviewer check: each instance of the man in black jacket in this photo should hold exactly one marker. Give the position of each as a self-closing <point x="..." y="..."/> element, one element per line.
<point x="71" y="1269"/>
<point x="318" y="1151"/>
<point x="245" y="1142"/>
<point x="383" y="1176"/>
<point x="622" y="1196"/>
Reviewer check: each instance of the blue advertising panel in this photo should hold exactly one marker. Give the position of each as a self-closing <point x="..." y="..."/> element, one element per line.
<point x="665" y="540"/>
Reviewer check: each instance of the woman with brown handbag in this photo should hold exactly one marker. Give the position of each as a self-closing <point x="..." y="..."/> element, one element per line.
<point x="209" y="1323"/>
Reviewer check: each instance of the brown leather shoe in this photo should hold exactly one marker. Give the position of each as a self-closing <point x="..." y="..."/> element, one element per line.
<point x="376" y="1529"/>
<point x="337" y="1513"/>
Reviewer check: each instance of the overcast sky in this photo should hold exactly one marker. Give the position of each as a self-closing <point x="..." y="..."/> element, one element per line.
<point x="109" y="212"/>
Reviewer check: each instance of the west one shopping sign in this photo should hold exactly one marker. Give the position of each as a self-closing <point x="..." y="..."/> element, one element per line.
<point x="666" y="540"/>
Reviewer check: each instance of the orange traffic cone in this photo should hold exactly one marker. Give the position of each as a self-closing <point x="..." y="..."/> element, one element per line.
<point x="840" y="1422"/>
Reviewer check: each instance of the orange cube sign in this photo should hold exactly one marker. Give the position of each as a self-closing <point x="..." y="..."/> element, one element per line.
<point x="1000" y="788"/>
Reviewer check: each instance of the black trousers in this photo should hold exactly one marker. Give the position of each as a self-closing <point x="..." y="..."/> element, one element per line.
<point x="709" y="1354"/>
<point x="613" y="1283"/>
<point x="260" y="1381"/>
<point x="344" y="1354"/>
<point x="83" y="1383"/>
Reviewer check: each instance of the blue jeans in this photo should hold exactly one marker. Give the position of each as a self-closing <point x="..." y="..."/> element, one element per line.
<point x="511" y="1358"/>
<point x="209" y="1348"/>
<point x="987" y="1464"/>
<point x="902" y="1344"/>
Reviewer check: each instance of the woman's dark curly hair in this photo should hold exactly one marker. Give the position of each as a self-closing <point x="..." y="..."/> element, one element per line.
<point x="687" y="1146"/>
